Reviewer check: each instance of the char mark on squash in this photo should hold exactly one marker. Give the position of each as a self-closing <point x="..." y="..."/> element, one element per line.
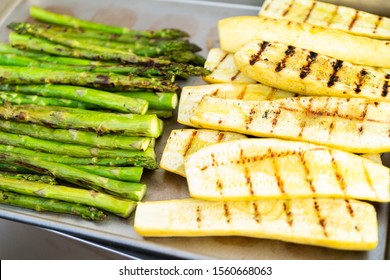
<point x="256" y="57"/>
<point x="288" y="53"/>
<point x="310" y="10"/>
<point x="336" y="67"/>
<point x="305" y="70"/>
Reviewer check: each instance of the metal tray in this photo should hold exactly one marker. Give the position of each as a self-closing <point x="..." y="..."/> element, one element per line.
<point x="199" y="18"/>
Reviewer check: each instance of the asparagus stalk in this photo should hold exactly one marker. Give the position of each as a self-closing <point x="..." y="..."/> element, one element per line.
<point x="140" y="46"/>
<point x="101" y="99"/>
<point x="19" y="58"/>
<point x="72" y="150"/>
<point x="34" y="75"/>
<point x="130" y="174"/>
<point x="51" y="205"/>
<point x="163" y="114"/>
<point x="5" y="167"/>
<point x="67" y="20"/>
<point x="31" y="177"/>
<point x="117" y="206"/>
<point x="73" y="136"/>
<point x="149" y="164"/>
<point x="80" y="47"/>
<point x="41" y="56"/>
<point x="19" y="99"/>
<point x="102" y="123"/>
<point x="158" y="100"/>
<point x="128" y="190"/>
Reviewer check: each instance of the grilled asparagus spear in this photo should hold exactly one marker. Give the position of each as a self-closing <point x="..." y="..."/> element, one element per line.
<point x="72" y="150"/>
<point x="107" y="141"/>
<point x="147" y="162"/>
<point x="100" y="99"/>
<point x="109" y="203"/>
<point x="67" y="20"/>
<point x="51" y="205"/>
<point x="7" y="97"/>
<point x="128" y="190"/>
<point x="101" y="123"/>
<point x="35" y="75"/>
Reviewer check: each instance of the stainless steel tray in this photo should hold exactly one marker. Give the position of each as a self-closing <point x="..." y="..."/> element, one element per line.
<point x="199" y="18"/>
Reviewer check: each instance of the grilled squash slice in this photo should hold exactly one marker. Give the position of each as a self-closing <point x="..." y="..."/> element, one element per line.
<point x="334" y="223"/>
<point x="355" y="125"/>
<point x="328" y="15"/>
<point x="184" y="142"/>
<point x="235" y="32"/>
<point x="250" y="169"/>
<point x="309" y="73"/>
<point x="192" y="95"/>
<point x="223" y="69"/>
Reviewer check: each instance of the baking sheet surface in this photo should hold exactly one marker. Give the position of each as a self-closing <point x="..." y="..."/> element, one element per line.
<point x="199" y="19"/>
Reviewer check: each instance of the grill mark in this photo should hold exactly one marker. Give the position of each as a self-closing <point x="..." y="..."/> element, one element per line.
<point x="242" y="92"/>
<point x="198" y="216"/>
<point x="256" y="213"/>
<point x="309" y="12"/>
<point x="305" y="70"/>
<point x="336" y="67"/>
<point x="220" y="62"/>
<point x="288" y="53"/>
<point x="307" y="172"/>
<point x="277" y="171"/>
<point x="287" y="211"/>
<point x="275" y="119"/>
<point x="227" y="213"/>
<point x="354" y="19"/>
<point x="219" y="187"/>
<point x="338" y="175"/>
<point x="189" y="144"/>
<point x="255" y="57"/>
<point x="307" y="111"/>
<point x="368" y="179"/>
<point x="286" y="11"/>
<point x="330" y="130"/>
<point x="349" y="208"/>
<point x="253" y="159"/>
<point x="364" y="112"/>
<point x="248" y="180"/>
<point x="360" y="82"/>
<point x="215" y="93"/>
<point x="303" y="126"/>
<point x="235" y="75"/>
<point x="267" y="6"/>
<point x="352" y="214"/>
<point x="335" y="12"/>
<point x="220" y="136"/>
<point x="377" y="23"/>
<point x="321" y="221"/>
<point x="360" y="130"/>
<point x="250" y="118"/>
<point x="385" y="89"/>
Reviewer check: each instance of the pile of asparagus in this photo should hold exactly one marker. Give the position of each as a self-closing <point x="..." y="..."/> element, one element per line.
<point x="82" y="107"/>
